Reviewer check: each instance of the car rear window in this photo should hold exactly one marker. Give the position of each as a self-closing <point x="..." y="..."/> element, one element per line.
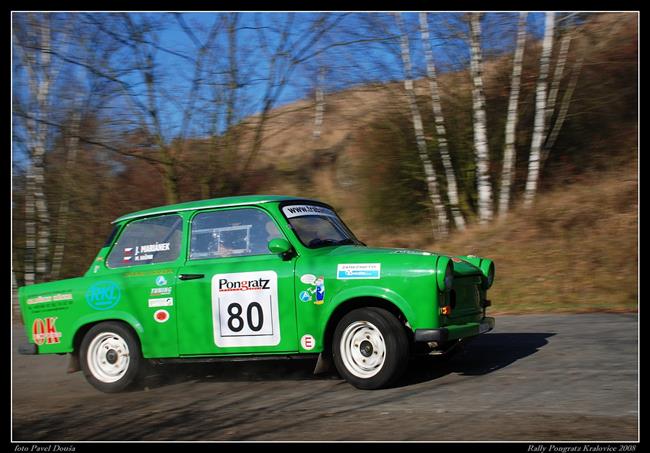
<point x="148" y="241"/>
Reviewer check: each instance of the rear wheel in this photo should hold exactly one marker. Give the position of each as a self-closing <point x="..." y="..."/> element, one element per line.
<point x="110" y="357"/>
<point x="370" y="348"/>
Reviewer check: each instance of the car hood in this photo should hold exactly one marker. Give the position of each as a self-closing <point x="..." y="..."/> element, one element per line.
<point x="405" y="257"/>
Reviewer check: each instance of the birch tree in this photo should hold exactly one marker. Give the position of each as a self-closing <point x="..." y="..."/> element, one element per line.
<point x="484" y="187"/>
<point x="33" y="35"/>
<point x="429" y="170"/>
<point x="540" y="112"/>
<point x="564" y="107"/>
<point x="71" y="146"/>
<point x="558" y="73"/>
<point x="509" y="155"/>
<point x="439" y="120"/>
<point x="320" y="103"/>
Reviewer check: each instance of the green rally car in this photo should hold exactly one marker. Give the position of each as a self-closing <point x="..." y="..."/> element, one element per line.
<point x="254" y="276"/>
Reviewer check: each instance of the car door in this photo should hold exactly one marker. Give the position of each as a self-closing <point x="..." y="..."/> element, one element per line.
<point x="235" y="296"/>
<point x="139" y="280"/>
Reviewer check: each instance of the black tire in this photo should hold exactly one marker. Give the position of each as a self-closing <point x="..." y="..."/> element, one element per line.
<point x="128" y="367"/>
<point x="395" y="348"/>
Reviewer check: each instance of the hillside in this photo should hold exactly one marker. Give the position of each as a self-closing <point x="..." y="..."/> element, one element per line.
<point x="576" y="250"/>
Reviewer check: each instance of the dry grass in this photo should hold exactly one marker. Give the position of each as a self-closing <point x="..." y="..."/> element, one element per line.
<point x="576" y="250"/>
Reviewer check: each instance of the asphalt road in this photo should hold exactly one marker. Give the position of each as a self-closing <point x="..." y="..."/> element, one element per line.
<point x="535" y="377"/>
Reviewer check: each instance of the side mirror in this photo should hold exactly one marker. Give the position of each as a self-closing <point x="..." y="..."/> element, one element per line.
<point x="279" y="246"/>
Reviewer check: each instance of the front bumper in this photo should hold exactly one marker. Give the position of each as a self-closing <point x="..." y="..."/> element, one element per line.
<point x="454" y="332"/>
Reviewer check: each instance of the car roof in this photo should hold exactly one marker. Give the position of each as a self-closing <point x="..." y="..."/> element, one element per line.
<point x="243" y="200"/>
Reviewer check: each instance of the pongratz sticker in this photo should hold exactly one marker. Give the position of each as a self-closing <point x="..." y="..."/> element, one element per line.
<point x="245" y="309"/>
<point x="360" y="271"/>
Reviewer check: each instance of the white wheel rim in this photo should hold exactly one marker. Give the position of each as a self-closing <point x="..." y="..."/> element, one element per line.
<point x="363" y="349"/>
<point x="108" y="357"/>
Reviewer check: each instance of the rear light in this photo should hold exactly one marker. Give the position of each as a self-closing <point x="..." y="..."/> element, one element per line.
<point x="446" y="310"/>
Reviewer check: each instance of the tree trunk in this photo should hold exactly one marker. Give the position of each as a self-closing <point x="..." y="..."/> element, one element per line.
<point x="30" y="231"/>
<point x="429" y="170"/>
<point x="540" y="113"/>
<point x="509" y="154"/>
<point x="564" y="108"/>
<point x="37" y="220"/>
<point x="320" y="104"/>
<point x="452" y="189"/>
<point x="480" y="127"/>
<point x="170" y="181"/>
<point x="15" y="305"/>
<point x="62" y="221"/>
<point x="557" y="78"/>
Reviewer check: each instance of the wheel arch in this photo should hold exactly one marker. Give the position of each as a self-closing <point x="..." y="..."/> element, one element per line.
<point x="353" y="303"/>
<point x="85" y="324"/>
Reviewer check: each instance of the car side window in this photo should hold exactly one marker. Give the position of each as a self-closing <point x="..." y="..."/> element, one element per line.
<point x="148" y="241"/>
<point x="233" y="232"/>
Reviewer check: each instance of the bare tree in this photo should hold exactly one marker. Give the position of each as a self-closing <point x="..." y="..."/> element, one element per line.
<point x="509" y="155"/>
<point x="33" y="35"/>
<point x="441" y="134"/>
<point x="553" y="132"/>
<point x="484" y="186"/>
<point x="320" y="103"/>
<point x="429" y="170"/>
<point x="558" y="73"/>
<point x="71" y="147"/>
<point x="540" y="111"/>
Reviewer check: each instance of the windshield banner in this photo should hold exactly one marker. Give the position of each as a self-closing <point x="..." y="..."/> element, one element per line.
<point x="300" y="210"/>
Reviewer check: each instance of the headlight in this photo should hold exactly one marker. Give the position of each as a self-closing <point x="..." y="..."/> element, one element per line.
<point x="445" y="271"/>
<point x="487" y="267"/>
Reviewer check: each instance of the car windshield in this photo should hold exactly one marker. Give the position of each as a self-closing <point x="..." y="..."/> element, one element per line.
<point x="318" y="226"/>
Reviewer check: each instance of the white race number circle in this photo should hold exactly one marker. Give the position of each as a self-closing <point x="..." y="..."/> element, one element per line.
<point x="245" y="309"/>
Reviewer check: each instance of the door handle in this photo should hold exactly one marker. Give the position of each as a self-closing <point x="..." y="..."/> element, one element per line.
<point x="190" y="276"/>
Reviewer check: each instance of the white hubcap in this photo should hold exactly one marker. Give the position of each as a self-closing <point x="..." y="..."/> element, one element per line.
<point x="108" y="357"/>
<point x="363" y="349"/>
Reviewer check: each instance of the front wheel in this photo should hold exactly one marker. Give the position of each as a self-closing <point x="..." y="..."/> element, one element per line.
<point x="370" y="348"/>
<point x="110" y="357"/>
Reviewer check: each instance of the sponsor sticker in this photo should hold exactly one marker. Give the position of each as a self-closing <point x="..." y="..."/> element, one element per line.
<point x="300" y="210"/>
<point x="161" y="280"/>
<point x="360" y="271"/>
<point x="161" y="316"/>
<point x="456" y="260"/>
<point x="308" y="342"/>
<point x="165" y="290"/>
<point x="52" y="298"/>
<point x="148" y="273"/>
<point x="103" y="295"/>
<point x="308" y="279"/>
<point x="317" y="290"/>
<point x="412" y="252"/>
<point x="44" y="331"/>
<point x="245" y="309"/>
<point x="161" y="302"/>
<point x="128" y="255"/>
<point x="143" y="252"/>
